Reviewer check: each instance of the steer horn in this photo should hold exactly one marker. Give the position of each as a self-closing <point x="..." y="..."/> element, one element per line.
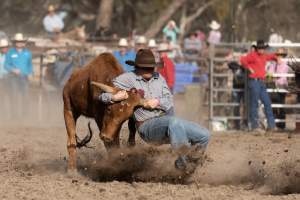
<point x="104" y="87"/>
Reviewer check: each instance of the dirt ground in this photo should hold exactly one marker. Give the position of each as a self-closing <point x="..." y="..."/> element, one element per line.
<point x="238" y="166"/>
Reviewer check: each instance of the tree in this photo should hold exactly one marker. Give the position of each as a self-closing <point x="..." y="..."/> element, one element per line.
<point x="165" y="15"/>
<point x="103" y="20"/>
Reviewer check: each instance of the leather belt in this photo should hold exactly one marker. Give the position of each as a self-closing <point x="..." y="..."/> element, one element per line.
<point x="256" y="79"/>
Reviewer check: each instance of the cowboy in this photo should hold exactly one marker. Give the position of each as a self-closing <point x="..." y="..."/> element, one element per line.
<point x="215" y="35"/>
<point x="18" y="63"/>
<point x="155" y="121"/>
<point x="255" y="63"/>
<point x="123" y="54"/>
<point x="53" y="23"/>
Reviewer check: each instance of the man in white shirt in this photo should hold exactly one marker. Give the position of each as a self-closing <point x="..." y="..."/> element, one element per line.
<point x="53" y="23"/>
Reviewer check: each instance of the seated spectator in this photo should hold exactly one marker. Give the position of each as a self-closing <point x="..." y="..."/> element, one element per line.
<point x="123" y="54"/>
<point x="279" y="68"/>
<point x="53" y="23"/>
<point x="167" y="68"/>
<point x="215" y="35"/>
<point x="171" y="30"/>
<point x="3" y="51"/>
<point x="140" y="43"/>
<point x="192" y="45"/>
<point x="18" y="63"/>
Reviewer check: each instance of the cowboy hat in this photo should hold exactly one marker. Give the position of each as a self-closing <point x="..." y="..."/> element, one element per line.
<point x="163" y="47"/>
<point x="4" y="43"/>
<point x="141" y="40"/>
<point x="281" y="52"/>
<point x="152" y="43"/>
<point x="144" y="58"/>
<point x="214" y="25"/>
<point x="260" y="44"/>
<point x="123" y="42"/>
<point x="19" y="37"/>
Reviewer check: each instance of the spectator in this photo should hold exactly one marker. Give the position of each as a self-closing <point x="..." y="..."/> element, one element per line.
<point x="279" y="68"/>
<point x="153" y="47"/>
<point x="3" y="49"/>
<point x="140" y="43"/>
<point x="192" y="45"/>
<point x="123" y="54"/>
<point x="18" y="63"/>
<point x="255" y="62"/>
<point x="201" y="36"/>
<point x="171" y="30"/>
<point x="215" y="35"/>
<point x="167" y="70"/>
<point x="53" y="23"/>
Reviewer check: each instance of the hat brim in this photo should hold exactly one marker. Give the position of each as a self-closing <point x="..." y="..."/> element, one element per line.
<point x="132" y="63"/>
<point x="260" y="47"/>
<point x="24" y="40"/>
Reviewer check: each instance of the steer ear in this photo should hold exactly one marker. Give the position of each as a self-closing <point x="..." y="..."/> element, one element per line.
<point x="105" y="88"/>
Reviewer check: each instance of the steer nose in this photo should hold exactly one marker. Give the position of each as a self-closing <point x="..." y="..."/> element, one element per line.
<point x="106" y="138"/>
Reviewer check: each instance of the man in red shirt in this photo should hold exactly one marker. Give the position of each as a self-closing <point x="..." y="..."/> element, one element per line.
<point x="255" y="62"/>
<point x="167" y="70"/>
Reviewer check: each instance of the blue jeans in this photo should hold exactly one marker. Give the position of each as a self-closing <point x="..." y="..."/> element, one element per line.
<point x="258" y="91"/>
<point x="170" y="129"/>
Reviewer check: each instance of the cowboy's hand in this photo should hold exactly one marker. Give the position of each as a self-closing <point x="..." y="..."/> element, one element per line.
<point x="151" y="103"/>
<point x="120" y="96"/>
<point x="251" y="70"/>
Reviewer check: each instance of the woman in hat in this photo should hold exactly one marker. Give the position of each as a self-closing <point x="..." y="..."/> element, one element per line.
<point x="155" y="121"/>
<point x="280" y="68"/>
<point x="215" y="35"/>
<point x="255" y="63"/>
<point x="171" y="30"/>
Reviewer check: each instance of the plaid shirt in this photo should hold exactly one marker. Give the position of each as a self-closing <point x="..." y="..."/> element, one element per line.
<point x="156" y="88"/>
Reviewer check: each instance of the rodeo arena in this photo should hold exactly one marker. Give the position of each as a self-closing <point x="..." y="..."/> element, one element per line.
<point x="134" y="117"/>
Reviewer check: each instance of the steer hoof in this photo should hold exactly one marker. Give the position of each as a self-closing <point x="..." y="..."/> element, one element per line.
<point x="73" y="173"/>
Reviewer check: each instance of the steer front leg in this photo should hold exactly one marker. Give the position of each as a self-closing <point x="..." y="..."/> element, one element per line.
<point x="132" y="131"/>
<point x="70" y="122"/>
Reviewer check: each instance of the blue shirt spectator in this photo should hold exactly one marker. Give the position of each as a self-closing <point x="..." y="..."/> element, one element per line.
<point x="20" y="60"/>
<point x="128" y="55"/>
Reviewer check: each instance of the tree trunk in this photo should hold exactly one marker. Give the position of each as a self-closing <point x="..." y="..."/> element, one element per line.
<point x="165" y="15"/>
<point x="186" y="21"/>
<point x="103" y="20"/>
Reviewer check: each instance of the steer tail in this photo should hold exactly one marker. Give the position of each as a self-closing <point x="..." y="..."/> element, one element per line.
<point x="86" y="139"/>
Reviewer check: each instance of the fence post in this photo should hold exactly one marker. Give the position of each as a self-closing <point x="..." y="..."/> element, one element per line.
<point x="211" y="82"/>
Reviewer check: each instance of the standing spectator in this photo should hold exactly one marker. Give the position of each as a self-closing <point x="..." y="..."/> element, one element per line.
<point x="280" y="68"/>
<point x="141" y="43"/>
<point x="192" y="45"/>
<point x="201" y="36"/>
<point x="3" y="51"/>
<point x="18" y="63"/>
<point x="215" y="35"/>
<point x="255" y="62"/>
<point x="53" y="23"/>
<point x="167" y="70"/>
<point x="123" y="54"/>
<point x="153" y="47"/>
<point x="171" y="30"/>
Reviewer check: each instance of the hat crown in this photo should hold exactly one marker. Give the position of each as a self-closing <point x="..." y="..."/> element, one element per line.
<point x="144" y="58"/>
<point x="4" y="43"/>
<point x="214" y="25"/>
<point x="19" y="37"/>
<point x="152" y="43"/>
<point x="141" y="40"/>
<point x="123" y="42"/>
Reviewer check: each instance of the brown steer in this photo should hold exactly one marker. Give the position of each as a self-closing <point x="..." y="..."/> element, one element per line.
<point x="80" y="96"/>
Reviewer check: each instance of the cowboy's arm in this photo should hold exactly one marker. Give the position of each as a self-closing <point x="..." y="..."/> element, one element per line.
<point x="166" y="98"/>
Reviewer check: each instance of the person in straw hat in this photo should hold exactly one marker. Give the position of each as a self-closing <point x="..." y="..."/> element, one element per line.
<point x="280" y="68"/>
<point x="18" y="63"/>
<point x="155" y="121"/>
<point x="255" y="63"/>
<point x="214" y="36"/>
<point x="124" y="53"/>
<point x="140" y="43"/>
<point x="53" y="23"/>
<point x="3" y="51"/>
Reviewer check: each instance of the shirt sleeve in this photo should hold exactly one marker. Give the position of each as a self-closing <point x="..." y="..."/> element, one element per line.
<point x="170" y="72"/>
<point x="8" y="64"/>
<point x="166" y="99"/>
<point x="29" y="64"/>
<point x="271" y="57"/>
<point x="244" y="60"/>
